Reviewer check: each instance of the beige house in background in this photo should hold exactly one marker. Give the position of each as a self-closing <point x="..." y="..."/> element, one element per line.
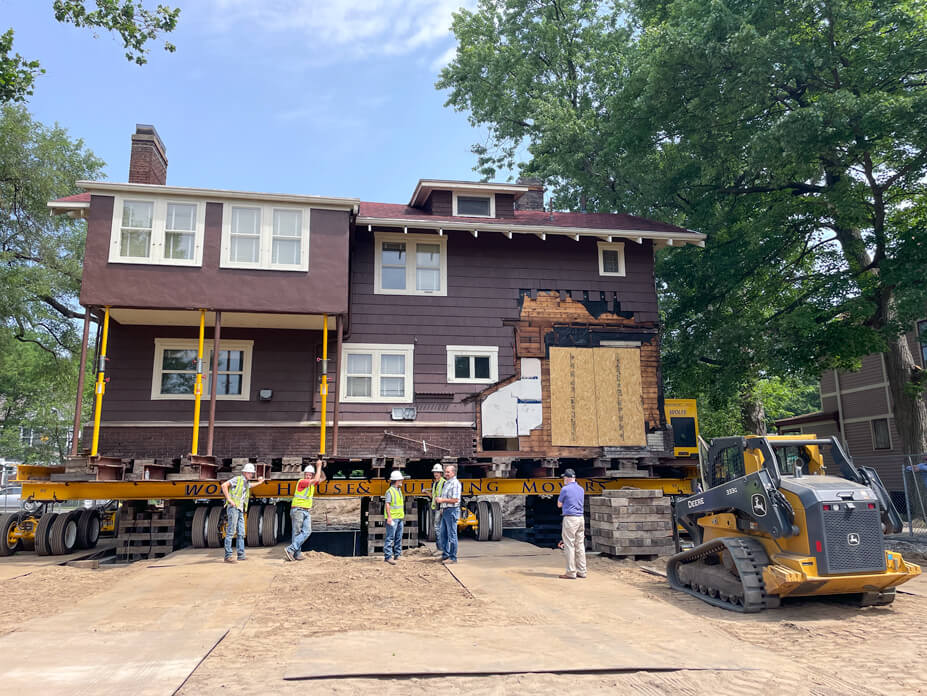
<point x="857" y="408"/>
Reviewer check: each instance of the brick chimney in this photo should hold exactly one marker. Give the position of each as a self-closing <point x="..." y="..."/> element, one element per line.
<point x="148" y="161"/>
<point x="533" y="199"/>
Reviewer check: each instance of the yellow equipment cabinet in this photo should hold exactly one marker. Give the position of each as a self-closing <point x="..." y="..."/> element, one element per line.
<point x="682" y="416"/>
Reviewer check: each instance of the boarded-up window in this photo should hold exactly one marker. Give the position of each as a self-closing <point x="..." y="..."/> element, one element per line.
<point x="881" y="438"/>
<point x="595" y="397"/>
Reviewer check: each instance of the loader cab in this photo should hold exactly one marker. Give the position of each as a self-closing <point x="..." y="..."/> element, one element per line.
<point x="725" y="461"/>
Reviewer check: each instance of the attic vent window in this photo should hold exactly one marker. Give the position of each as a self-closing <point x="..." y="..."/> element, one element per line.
<point x="474" y="206"/>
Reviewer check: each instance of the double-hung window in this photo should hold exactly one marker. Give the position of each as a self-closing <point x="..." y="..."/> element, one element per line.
<point x="157" y="231"/>
<point x="410" y="264"/>
<point x="174" y="374"/>
<point x="376" y="373"/>
<point x="611" y="258"/>
<point x="265" y="236"/>
<point x="472" y="364"/>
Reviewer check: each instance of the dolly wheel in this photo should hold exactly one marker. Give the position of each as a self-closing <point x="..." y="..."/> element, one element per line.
<point x="27" y="525"/>
<point x="270" y="526"/>
<point x="253" y="525"/>
<point x="63" y="535"/>
<point x="198" y="527"/>
<point x="215" y="527"/>
<point x="9" y="539"/>
<point x="483" y="521"/>
<point x="42" y="531"/>
<point x="88" y="528"/>
<point x="496" y="510"/>
<point x="429" y="524"/>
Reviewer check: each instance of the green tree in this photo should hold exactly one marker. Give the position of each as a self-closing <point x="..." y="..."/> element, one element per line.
<point x="41" y="257"/>
<point x="135" y="24"/>
<point x="792" y="132"/>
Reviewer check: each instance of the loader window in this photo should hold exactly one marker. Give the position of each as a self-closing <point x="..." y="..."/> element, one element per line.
<point x="788" y="457"/>
<point x="727" y="466"/>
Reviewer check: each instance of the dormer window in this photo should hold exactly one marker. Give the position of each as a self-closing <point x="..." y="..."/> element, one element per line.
<point x="468" y="205"/>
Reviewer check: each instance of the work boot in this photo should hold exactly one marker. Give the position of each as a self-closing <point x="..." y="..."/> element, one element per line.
<point x="229" y="559"/>
<point x="299" y="556"/>
<point x="390" y="561"/>
<point x="289" y="554"/>
<point x="242" y="558"/>
<point x="566" y="577"/>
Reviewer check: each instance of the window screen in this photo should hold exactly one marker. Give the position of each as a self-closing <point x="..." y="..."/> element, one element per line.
<point x="881" y="439"/>
<point x="473" y="205"/>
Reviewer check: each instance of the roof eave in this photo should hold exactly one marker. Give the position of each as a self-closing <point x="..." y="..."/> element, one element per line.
<point x="426" y="186"/>
<point x="73" y="209"/>
<point x="667" y="238"/>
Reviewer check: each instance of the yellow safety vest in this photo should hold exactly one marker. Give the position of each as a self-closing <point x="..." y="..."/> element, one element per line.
<point x="436" y="489"/>
<point x="397" y="506"/>
<point x="303" y="498"/>
<point x="240" y="492"/>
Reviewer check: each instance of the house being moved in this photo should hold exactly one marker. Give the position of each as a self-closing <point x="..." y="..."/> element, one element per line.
<point x="469" y="324"/>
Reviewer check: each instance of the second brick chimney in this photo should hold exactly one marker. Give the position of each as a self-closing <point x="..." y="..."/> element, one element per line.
<point x="148" y="161"/>
<point x="533" y="199"/>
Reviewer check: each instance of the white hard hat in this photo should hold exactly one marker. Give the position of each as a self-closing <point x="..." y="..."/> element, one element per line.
<point x="437" y="467"/>
<point x="309" y="469"/>
<point x="248" y="468"/>
<point x="396" y="475"/>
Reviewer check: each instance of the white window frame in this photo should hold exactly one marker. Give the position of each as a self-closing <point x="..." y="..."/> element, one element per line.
<point x="410" y="240"/>
<point x="872" y="434"/>
<point x="376" y="350"/>
<point x="162" y="344"/>
<point x="492" y="203"/>
<point x="265" y="238"/>
<point x="611" y="246"/>
<point x="158" y="222"/>
<point x="491" y="352"/>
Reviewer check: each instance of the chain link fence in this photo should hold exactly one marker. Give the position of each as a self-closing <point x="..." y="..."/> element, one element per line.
<point x="914" y="475"/>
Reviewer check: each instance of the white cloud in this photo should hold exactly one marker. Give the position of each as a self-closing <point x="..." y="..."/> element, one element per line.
<point x="348" y="27"/>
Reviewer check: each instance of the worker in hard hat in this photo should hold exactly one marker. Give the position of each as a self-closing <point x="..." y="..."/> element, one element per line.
<point x="395" y="512"/>
<point x="237" y="491"/>
<point x="437" y="472"/>
<point x="301" y="508"/>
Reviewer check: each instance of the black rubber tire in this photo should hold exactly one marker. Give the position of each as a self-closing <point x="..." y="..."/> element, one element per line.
<point x="285" y="525"/>
<point x="63" y="535"/>
<point x="7" y="522"/>
<point x="88" y="528"/>
<point x="496" y="511"/>
<point x="253" y="525"/>
<point x="483" y="521"/>
<point x="430" y="532"/>
<point x="213" y="539"/>
<point x="270" y="526"/>
<point x="198" y="527"/>
<point x="42" y="547"/>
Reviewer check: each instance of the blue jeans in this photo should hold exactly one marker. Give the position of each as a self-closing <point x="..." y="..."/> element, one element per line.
<point x="449" y="517"/>
<point x="302" y="528"/>
<point x="392" y="545"/>
<point x="439" y="533"/>
<point x="235" y="522"/>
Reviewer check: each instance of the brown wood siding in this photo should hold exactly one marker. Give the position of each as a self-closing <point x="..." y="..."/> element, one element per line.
<point x="865" y="404"/>
<point x="505" y="205"/>
<point x="485" y="275"/>
<point x="439" y="203"/>
<point x="887" y="463"/>
<point x="282" y="360"/>
<point x="322" y="289"/>
<point x="869" y="373"/>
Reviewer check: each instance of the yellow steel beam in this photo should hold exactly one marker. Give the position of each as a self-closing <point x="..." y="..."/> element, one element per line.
<point x="339" y="488"/>
<point x="323" y="387"/>
<point x="198" y="386"/>
<point x="100" y="387"/>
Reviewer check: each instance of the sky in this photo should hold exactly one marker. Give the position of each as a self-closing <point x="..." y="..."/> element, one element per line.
<point x="324" y="97"/>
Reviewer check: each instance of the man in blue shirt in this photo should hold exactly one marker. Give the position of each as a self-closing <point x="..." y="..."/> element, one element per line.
<point x="571" y="502"/>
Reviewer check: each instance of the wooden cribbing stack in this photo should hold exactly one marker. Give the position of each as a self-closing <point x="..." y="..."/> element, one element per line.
<point x="147" y="534"/>
<point x="632" y="522"/>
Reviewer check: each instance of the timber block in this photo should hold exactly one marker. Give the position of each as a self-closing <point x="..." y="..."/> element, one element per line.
<point x="632" y="493"/>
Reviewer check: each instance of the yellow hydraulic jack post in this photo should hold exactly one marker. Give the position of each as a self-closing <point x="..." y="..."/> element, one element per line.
<point x="323" y="387"/>
<point x="198" y="386"/>
<point x="100" y="387"/>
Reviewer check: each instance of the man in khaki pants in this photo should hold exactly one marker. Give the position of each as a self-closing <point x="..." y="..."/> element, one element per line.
<point x="571" y="502"/>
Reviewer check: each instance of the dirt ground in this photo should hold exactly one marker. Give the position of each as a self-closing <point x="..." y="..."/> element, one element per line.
<point x="274" y="609"/>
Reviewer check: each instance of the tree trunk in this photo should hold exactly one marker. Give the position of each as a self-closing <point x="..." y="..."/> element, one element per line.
<point x="752" y="413"/>
<point x="910" y="412"/>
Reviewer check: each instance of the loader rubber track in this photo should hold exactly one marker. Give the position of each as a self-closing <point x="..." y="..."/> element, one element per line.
<point x="749" y="558"/>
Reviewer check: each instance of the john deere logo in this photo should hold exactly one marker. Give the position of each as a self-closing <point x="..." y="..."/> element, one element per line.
<point x="853" y="539"/>
<point x="758" y="502"/>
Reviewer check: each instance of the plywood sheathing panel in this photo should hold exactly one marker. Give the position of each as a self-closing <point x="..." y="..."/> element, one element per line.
<point x="619" y="409"/>
<point x="573" y="397"/>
